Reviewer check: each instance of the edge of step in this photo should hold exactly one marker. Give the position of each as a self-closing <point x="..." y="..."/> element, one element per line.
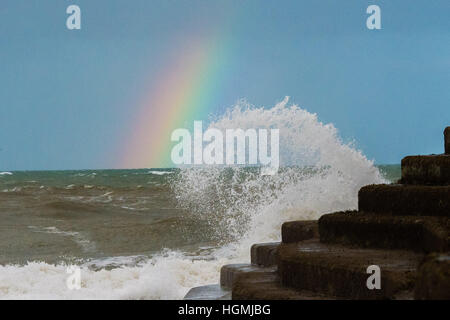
<point x="208" y="292"/>
<point x="295" y="231"/>
<point x="340" y="271"/>
<point x="426" y="170"/>
<point x="264" y="254"/>
<point x="266" y="286"/>
<point x="417" y="233"/>
<point x="230" y="272"/>
<point x="405" y="200"/>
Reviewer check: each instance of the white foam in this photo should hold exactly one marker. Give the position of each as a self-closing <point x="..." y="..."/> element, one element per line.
<point x="160" y="173"/>
<point x="167" y="276"/>
<point x="85" y="244"/>
<point x="6" y="173"/>
<point x="15" y="189"/>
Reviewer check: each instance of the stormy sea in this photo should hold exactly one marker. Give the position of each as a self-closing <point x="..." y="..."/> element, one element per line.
<point x="155" y="233"/>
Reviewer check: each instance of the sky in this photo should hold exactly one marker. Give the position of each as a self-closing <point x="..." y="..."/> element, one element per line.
<point x="69" y="98"/>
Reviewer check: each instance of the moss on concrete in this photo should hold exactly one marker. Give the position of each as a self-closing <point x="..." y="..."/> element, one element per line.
<point x="294" y="231"/>
<point x="427" y="170"/>
<point x="406" y="200"/>
<point x="341" y="271"/>
<point x="426" y="234"/>
<point x="434" y="278"/>
<point x="264" y="254"/>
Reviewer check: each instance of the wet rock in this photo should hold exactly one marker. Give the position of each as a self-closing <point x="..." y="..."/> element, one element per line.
<point x="208" y="292"/>
<point x="433" y="169"/>
<point x="434" y="278"/>
<point x="339" y="271"/>
<point x="230" y="272"/>
<point x="407" y="200"/>
<point x="266" y="286"/>
<point x="421" y="234"/>
<point x="264" y="254"/>
<point x="295" y="231"/>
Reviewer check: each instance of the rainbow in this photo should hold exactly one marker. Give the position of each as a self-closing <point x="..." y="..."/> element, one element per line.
<point x="184" y="92"/>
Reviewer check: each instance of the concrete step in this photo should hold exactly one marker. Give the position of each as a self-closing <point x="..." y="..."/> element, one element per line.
<point x="447" y="140"/>
<point x="266" y="286"/>
<point x="432" y="169"/>
<point x="264" y="254"/>
<point x="422" y="234"/>
<point x="230" y="272"/>
<point x="433" y="281"/>
<point x="208" y="292"/>
<point x="295" y="231"/>
<point x="407" y="200"/>
<point x="335" y="270"/>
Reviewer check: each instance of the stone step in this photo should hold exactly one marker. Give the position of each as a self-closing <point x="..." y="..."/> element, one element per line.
<point x="230" y="272"/>
<point x="335" y="270"/>
<point x="432" y="169"/>
<point x="208" y="292"/>
<point x="407" y="200"/>
<point x="433" y="281"/>
<point x="447" y="140"/>
<point x="426" y="234"/>
<point x="266" y="286"/>
<point x="295" y="231"/>
<point x="264" y="254"/>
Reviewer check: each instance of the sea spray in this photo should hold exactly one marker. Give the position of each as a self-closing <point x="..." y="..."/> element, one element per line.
<point x="318" y="174"/>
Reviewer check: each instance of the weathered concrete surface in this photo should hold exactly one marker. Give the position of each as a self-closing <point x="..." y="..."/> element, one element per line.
<point x="295" y="231"/>
<point x="434" y="278"/>
<point x="407" y="200"/>
<point x="426" y="234"/>
<point x="335" y="270"/>
<point x="264" y="254"/>
<point x="447" y="140"/>
<point x="230" y="272"/>
<point x="266" y="286"/>
<point x="209" y="292"/>
<point x="433" y="169"/>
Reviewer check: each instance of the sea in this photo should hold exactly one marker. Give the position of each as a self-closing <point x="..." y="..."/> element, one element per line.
<point x="156" y="233"/>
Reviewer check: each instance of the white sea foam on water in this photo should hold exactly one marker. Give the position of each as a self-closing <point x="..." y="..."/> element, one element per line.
<point x="159" y="173"/>
<point x="15" y="189"/>
<point x="251" y="207"/>
<point x="167" y="276"/>
<point x="6" y="173"/>
<point x="85" y="244"/>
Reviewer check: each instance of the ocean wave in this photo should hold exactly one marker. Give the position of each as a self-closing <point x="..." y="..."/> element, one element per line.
<point x="85" y="244"/>
<point x="320" y="174"/>
<point x="242" y="208"/>
<point x="15" y="189"/>
<point x="166" y="276"/>
<point x="72" y="206"/>
<point x="160" y="173"/>
<point x="6" y="173"/>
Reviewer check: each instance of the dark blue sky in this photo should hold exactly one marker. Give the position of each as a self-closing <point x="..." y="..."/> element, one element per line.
<point x="66" y="97"/>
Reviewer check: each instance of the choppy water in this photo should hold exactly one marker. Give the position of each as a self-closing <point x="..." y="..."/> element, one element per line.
<point x="154" y="233"/>
<point x="69" y="216"/>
